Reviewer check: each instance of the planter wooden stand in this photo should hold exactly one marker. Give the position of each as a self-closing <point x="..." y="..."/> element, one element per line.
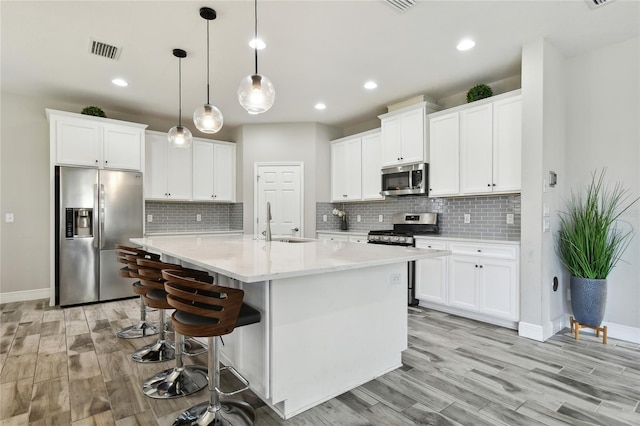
<point x="576" y="326"/>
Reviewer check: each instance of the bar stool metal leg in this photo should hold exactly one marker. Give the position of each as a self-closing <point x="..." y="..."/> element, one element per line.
<point x="159" y="351"/>
<point x="141" y="329"/>
<point x="178" y="381"/>
<point x="216" y="411"/>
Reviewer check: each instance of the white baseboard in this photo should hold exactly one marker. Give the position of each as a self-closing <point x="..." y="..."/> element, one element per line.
<point x="614" y="331"/>
<point x="22" y="296"/>
<point x="531" y="331"/>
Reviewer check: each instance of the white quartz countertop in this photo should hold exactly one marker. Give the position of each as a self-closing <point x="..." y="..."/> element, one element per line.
<point x="249" y="260"/>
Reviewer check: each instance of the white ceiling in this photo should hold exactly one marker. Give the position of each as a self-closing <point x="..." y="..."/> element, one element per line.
<point x="316" y="51"/>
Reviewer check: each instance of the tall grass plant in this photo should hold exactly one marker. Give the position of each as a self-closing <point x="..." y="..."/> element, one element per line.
<point x="590" y="242"/>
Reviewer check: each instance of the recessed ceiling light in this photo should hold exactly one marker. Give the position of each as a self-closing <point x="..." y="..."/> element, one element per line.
<point x="370" y="85"/>
<point x="119" y="82"/>
<point x="466" y="44"/>
<point x="320" y="106"/>
<point x="256" y="43"/>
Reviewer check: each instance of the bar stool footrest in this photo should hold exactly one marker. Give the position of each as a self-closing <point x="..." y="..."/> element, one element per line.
<point x="175" y="382"/>
<point x="231" y="412"/>
<point x="244" y="381"/>
<point x="141" y="329"/>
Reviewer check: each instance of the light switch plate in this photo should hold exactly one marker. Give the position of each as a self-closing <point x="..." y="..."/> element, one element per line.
<point x="380" y="218"/>
<point x="9" y="218"/>
<point x="545" y="211"/>
<point x="324" y="217"/>
<point x="358" y="218"/>
<point x="149" y="218"/>
<point x="509" y="218"/>
<point x="467" y="218"/>
<point x="546" y="225"/>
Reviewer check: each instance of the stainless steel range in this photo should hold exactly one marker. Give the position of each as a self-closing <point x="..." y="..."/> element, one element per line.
<point x="405" y="227"/>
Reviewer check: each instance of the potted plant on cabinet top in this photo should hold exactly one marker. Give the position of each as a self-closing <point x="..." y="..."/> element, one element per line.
<point x="590" y="244"/>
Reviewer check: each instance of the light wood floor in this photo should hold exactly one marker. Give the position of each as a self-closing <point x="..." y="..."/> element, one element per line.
<point x="66" y="366"/>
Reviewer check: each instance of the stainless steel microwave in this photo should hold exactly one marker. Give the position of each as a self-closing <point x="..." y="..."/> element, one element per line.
<point x="405" y="180"/>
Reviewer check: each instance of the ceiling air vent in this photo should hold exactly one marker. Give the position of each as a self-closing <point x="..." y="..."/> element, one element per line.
<point x="597" y="3"/>
<point x="103" y="49"/>
<point x="404" y="5"/>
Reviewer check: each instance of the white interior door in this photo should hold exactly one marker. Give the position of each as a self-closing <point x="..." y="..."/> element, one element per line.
<point x="281" y="185"/>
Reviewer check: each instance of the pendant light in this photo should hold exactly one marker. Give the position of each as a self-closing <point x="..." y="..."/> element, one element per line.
<point x="256" y="92"/>
<point x="208" y="118"/>
<point x="179" y="136"/>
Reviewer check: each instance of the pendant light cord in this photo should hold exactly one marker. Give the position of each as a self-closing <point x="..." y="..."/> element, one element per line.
<point x="180" y="92"/>
<point x="208" y="62"/>
<point x="255" y="39"/>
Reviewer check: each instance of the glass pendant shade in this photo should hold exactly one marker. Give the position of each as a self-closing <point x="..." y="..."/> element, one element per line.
<point x="256" y="94"/>
<point x="180" y="137"/>
<point x="208" y="119"/>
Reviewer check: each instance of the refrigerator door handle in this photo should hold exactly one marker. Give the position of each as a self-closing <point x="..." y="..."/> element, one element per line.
<point x="102" y="215"/>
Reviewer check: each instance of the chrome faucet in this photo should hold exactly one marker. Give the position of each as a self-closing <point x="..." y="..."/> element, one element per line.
<point x="268" y="230"/>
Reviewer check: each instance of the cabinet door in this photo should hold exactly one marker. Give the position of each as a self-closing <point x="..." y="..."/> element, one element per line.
<point x="346" y="170"/>
<point x="122" y="147"/>
<point x="179" y="173"/>
<point x="392" y="140"/>
<point x="371" y="166"/>
<point x="476" y="141"/>
<point x="203" y="170"/>
<point x="339" y="172"/>
<point x="224" y="172"/>
<point x="507" y="143"/>
<point x="155" y="175"/>
<point x="499" y="288"/>
<point x="355" y="239"/>
<point x="444" y="159"/>
<point x="463" y="288"/>
<point x="431" y="275"/>
<point x="78" y="142"/>
<point x="413" y="137"/>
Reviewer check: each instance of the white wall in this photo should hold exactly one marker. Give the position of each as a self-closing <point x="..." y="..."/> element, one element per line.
<point x="579" y="114"/>
<point x="603" y="130"/>
<point x="299" y="142"/>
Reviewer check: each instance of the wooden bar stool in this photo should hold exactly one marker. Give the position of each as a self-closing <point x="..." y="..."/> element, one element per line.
<point x="206" y="310"/>
<point x="142" y="328"/>
<point x="150" y="274"/>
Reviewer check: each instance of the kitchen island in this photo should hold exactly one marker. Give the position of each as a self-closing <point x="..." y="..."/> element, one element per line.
<point x="334" y="314"/>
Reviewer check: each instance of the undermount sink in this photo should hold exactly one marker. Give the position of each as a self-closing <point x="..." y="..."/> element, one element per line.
<point x="292" y="240"/>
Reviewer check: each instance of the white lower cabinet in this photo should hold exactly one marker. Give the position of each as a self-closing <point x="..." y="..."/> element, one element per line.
<point x="479" y="280"/>
<point x="431" y="274"/>
<point x="332" y="237"/>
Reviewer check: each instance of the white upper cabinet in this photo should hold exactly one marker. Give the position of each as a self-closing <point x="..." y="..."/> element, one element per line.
<point x="214" y="170"/>
<point x="81" y="140"/>
<point x="168" y="169"/>
<point x="476" y="148"/>
<point x="371" y="166"/>
<point x="404" y="136"/>
<point x="356" y="162"/>
<point x="476" y="141"/>
<point x="346" y="169"/>
<point x="444" y="155"/>
<point x="507" y="145"/>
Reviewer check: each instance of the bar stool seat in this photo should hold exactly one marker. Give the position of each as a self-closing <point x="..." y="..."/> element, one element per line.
<point x="207" y="310"/>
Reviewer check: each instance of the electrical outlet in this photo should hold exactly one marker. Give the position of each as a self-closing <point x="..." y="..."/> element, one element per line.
<point x="467" y="218"/>
<point x="9" y="218"/>
<point x="358" y="218"/>
<point x="380" y="218"/>
<point x="324" y="217"/>
<point x="545" y="211"/>
<point x="546" y="225"/>
<point x="509" y="218"/>
<point x="149" y="218"/>
<point x="198" y="218"/>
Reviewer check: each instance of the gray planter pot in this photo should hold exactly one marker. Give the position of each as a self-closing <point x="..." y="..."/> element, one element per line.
<point x="588" y="300"/>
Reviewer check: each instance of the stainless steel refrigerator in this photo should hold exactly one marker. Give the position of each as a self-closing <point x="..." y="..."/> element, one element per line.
<point x="96" y="209"/>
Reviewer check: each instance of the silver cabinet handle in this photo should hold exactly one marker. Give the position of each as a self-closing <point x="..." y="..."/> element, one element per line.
<point x="296" y="229"/>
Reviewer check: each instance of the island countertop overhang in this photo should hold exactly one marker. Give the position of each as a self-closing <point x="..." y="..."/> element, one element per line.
<point x="252" y="260"/>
